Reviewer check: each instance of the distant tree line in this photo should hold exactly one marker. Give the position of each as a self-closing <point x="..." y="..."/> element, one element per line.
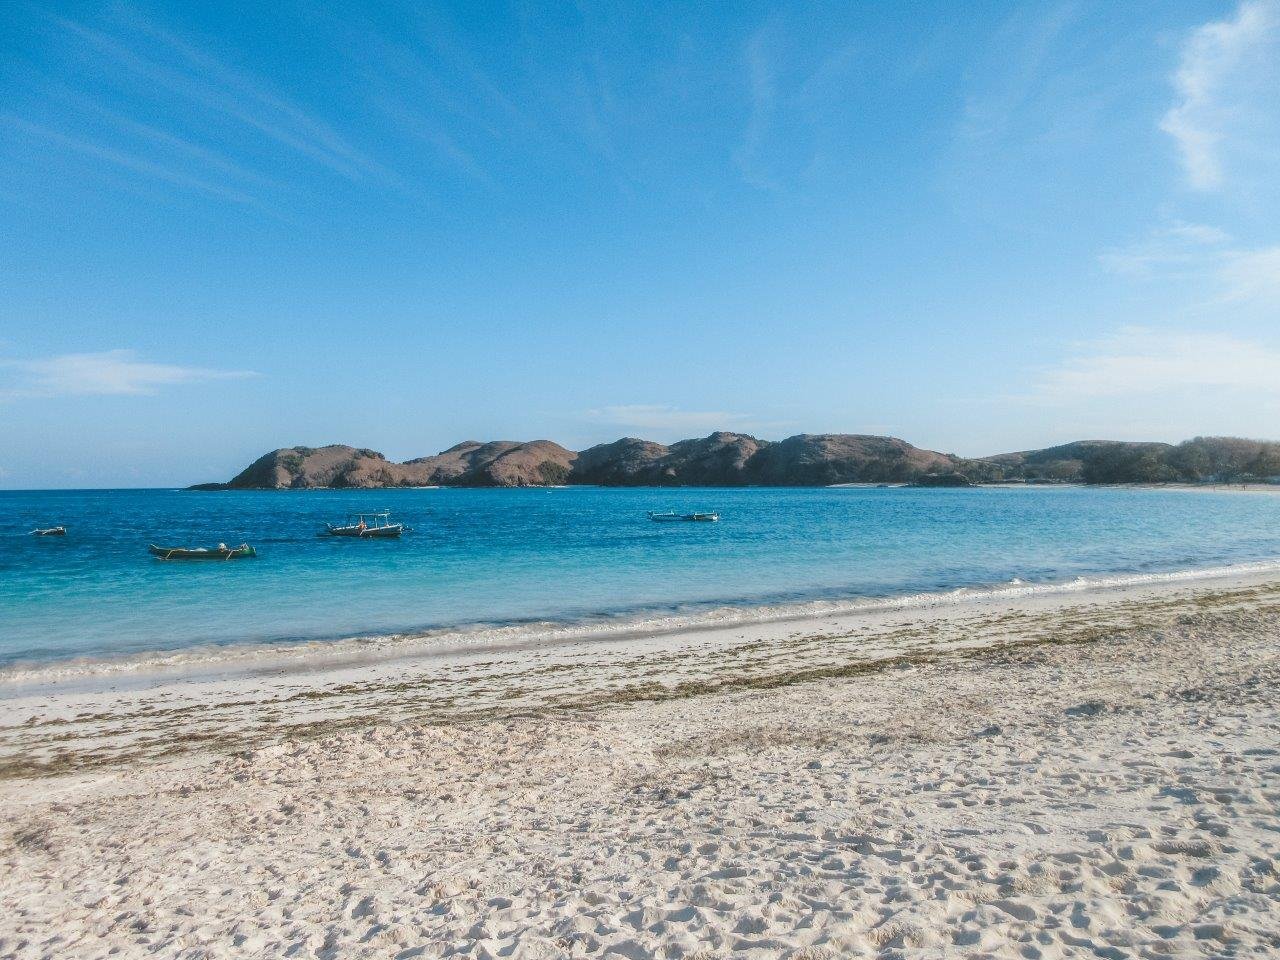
<point x="1204" y="459"/>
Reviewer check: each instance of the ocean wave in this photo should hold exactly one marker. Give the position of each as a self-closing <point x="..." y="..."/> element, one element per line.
<point x="244" y="657"/>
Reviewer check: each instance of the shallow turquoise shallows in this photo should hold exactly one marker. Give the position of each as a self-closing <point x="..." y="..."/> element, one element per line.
<point x="578" y="554"/>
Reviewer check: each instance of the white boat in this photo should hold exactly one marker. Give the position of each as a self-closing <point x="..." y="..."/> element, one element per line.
<point x="687" y="517"/>
<point x="367" y="526"/>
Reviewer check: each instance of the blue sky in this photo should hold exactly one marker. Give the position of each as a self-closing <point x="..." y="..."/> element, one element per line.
<point x="231" y="227"/>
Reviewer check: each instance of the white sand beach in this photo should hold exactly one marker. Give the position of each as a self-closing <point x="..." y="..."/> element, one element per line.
<point x="1083" y="774"/>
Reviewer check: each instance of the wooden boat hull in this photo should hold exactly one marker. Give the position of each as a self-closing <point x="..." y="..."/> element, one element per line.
<point x="183" y="553"/>
<point x="368" y="533"/>
<point x="383" y="533"/>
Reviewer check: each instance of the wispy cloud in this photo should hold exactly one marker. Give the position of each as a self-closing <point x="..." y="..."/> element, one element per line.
<point x="798" y="103"/>
<point x="646" y="416"/>
<point x="1138" y="361"/>
<point x="1019" y="69"/>
<point x="182" y="70"/>
<point x="758" y="58"/>
<point x="1217" y="71"/>
<point x="1225" y="271"/>
<point x="109" y="373"/>
<point x="1252" y="276"/>
<point x="202" y="155"/>
<point x="254" y="102"/>
<point x="124" y="160"/>
<point x="471" y="82"/>
<point x="421" y="128"/>
<point x="1179" y="248"/>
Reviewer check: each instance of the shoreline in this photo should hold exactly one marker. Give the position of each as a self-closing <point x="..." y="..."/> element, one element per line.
<point x="1215" y="487"/>
<point x="172" y="713"/>
<point x="1092" y="772"/>
<point x="227" y="660"/>
<point x="1179" y="487"/>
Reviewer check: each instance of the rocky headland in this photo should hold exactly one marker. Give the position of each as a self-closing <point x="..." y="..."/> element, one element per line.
<point x="737" y="460"/>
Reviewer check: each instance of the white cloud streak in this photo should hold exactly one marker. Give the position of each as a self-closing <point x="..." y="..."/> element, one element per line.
<point x="1226" y="272"/>
<point x="199" y="78"/>
<point x="1178" y="249"/>
<point x="126" y="161"/>
<point x="109" y="373"/>
<point x="763" y="93"/>
<point x="1215" y="65"/>
<point x="1251" y="276"/>
<point x="1139" y="361"/>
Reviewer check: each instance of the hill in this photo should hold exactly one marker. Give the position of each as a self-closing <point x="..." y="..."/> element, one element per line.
<point x="738" y="459"/>
<point x="721" y="459"/>
<point x="1204" y="459"/>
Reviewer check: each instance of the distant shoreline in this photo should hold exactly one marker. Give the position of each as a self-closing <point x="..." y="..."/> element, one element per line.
<point x="994" y="485"/>
<point x="1183" y="487"/>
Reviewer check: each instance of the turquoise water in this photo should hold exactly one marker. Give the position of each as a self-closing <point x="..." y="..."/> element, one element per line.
<point x="480" y="557"/>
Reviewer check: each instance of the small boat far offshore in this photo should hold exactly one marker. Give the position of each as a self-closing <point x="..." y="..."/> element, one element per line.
<point x="220" y="552"/>
<point x="675" y="517"/>
<point x="49" y="532"/>
<point x="359" y="525"/>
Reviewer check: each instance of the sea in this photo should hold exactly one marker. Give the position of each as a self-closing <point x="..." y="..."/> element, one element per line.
<point x="484" y="565"/>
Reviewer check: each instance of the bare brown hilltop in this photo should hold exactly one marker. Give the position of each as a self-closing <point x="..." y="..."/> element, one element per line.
<point x="737" y="459"/>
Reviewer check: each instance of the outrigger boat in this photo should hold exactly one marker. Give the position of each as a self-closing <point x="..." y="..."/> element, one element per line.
<point x="220" y="552"/>
<point x="366" y="525"/>
<point x="49" y="532"/>
<point x="693" y="517"/>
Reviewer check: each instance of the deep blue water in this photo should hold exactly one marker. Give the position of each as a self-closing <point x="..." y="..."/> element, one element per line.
<point x="494" y="556"/>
